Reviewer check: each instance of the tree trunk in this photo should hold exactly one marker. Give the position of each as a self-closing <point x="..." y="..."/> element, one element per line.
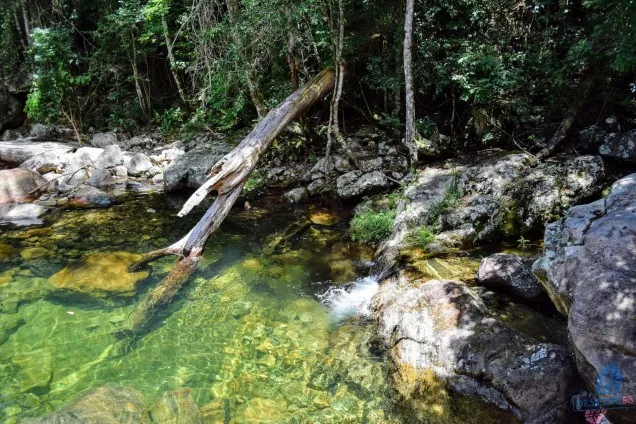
<point x="226" y="178"/>
<point x="409" y="138"/>
<point x="173" y="64"/>
<point x="138" y="88"/>
<point x="25" y="19"/>
<point x="563" y="129"/>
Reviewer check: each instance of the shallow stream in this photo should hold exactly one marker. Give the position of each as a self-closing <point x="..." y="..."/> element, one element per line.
<point x="248" y="334"/>
<point x="270" y="328"/>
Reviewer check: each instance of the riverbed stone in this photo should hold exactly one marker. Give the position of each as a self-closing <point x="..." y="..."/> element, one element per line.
<point x="90" y="197"/>
<point x="509" y="273"/>
<point x="440" y="338"/>
<point x="103" y="140"/>
<point x="20" y="185"/>
<point x="108" y="404"/>
<point x="100" y="275"/>
<point x="620" y="146"/>
<point x="588" y="271"/>
<point x="111" y="156"/>
<point x="100" y="178"/>
<point x="53" y="161"/>
<point x="191" y="169"/>
<point x="36" y="369"/>
<point x="177" y="406"/>
<point x="356" y="184"/>
<point x="139" y="165"/>
<point x="496" y="194"/>
<point x="297" y="195"/>
<point x="21" y="213"/>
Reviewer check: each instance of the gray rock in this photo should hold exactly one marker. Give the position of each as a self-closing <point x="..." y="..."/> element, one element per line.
<point x="297" y="195"/>
<point x="442" y="328"/>
<point x="154" y="170"/>
<point x="355" y="184"/>
<point x="111" y="156"/>
<point x="21" y="214"/>
<point x="103" y="140"/>
<point x="90" y="197"/>
<point x="20" y="185"/>
<point x="53" y="161"/>
<point x="120" y="172"/>
<point x="620" y="146"/>
<point x="589" y="271"/>
<point x="16" y="152"/>
<point x="318" y="186"/>
<point x="369" y="164"/>
<point x="84" y="156"/>
<point x="139" y="165"/>
<point x="509" y="273"/>
<point x="342" y="164"/>
<point x="322" y="168"/>
<point x="497" y="196"/>
<point x="191" y="169"/>
<point x="40" y="131"/>
<point x="109" y="404"/>
<point x="101" y="178"/>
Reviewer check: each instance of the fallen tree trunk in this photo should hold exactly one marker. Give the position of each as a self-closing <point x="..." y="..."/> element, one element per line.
<point x="227" y="178"/>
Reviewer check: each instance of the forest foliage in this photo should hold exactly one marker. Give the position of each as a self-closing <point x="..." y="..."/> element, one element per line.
<point x="484" y="70"/>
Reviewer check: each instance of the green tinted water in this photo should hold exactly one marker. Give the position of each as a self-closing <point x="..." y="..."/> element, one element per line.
<point x="247" y="334"/>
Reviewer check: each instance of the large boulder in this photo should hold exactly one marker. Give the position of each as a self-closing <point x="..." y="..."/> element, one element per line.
<point x="109" y="404"/>
<point x="497" y="195"/>
<point x="356" y="184"/>
<point x="16" y="152"/>
<point x="509" y="273"/>
<point x="191" y="169"/>
<point x="20" y="185"/>
<point x="620" y="146"/>
<point x="441" y="339"/>
<point x="50" y="161"/>
<point x="589" y="271"/>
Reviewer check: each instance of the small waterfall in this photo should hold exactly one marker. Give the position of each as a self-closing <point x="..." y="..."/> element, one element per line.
<point x="352" y="299"/>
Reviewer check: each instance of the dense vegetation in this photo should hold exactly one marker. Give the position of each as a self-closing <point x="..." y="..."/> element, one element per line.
<point x="485" y="72"/>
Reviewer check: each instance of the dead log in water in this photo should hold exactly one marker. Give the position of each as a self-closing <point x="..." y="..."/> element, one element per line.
<point x="227" y="178"/>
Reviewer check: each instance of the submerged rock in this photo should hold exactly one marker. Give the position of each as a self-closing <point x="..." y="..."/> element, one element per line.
<point x="442" y="340"/>
<point x="100" y="275"/>
<point x="109" y="404"/>
<point x="509" y="273"/>
<point x="589" y="271"/>
<point x="20" y="185"/>
<point x="176" y="407"/>
<point x="36" y="369"/>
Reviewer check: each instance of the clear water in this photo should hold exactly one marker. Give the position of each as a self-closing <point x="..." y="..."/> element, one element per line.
<point x="248" y="334"/>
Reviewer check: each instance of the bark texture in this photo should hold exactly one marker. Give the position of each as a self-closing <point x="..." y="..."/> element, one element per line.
<point x="227" y="178"/>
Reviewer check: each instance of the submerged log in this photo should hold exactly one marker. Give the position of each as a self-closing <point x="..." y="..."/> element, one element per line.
<point x="227" y="178"/>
